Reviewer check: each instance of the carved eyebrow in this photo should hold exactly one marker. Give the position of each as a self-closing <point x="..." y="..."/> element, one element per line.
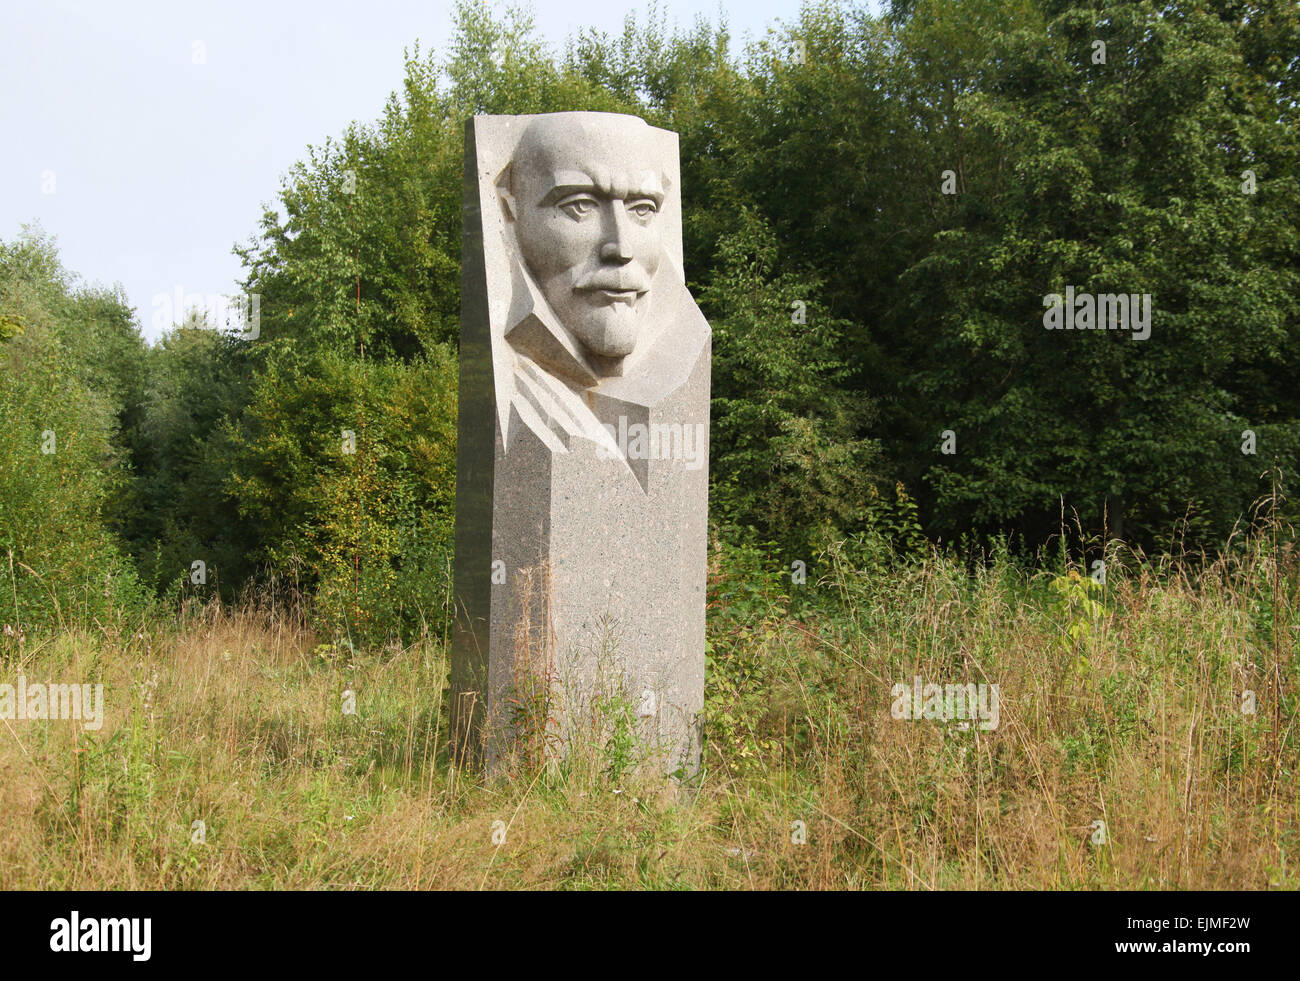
<point x="621" y="186"/>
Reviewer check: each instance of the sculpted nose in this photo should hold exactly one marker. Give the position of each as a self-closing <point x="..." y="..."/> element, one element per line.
<point x="617" y="246"/>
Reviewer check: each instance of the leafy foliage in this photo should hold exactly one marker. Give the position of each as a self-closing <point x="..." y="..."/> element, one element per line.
<point x="67" y="366"/>
<point x="859" y="309"/>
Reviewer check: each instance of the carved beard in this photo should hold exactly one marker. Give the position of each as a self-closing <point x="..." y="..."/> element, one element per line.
<point x="601" y="329"/>
<point x="605" y="308"/>
<point x="606" y="323"/>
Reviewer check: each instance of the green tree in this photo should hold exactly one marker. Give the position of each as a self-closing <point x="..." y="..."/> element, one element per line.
<point x="65" y="370"/>
<point x="1122" y="176"/>
<point x="178" y="509"/>
<point x="785" y="460"/>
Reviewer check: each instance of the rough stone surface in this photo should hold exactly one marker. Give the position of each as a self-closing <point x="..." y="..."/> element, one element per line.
<point x="582" y="487"/>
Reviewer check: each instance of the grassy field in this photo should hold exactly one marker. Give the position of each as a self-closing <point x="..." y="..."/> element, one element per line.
<point x="1124" y="756"/>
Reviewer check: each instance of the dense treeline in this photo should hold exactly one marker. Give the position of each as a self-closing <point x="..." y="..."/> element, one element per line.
<point x="71" y="379"/>
<point x="875" y="209"/>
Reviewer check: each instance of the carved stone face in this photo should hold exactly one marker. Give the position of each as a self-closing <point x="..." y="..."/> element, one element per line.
<point x="586" y="205"/>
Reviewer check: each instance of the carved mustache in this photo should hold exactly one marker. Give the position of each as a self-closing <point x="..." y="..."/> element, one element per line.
<point x="625" y="279"/>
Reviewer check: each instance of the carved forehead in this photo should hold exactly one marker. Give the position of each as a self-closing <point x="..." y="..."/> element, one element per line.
<point x="617" y="155"/>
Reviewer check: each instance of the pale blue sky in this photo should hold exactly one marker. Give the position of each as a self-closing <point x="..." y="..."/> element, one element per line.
<point x="159" y="165"/>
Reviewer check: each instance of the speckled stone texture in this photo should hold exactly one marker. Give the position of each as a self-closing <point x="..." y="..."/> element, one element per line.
<point x="582" y="469"/>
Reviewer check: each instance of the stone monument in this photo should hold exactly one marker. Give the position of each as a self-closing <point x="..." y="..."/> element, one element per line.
<point x="582" y="466"/>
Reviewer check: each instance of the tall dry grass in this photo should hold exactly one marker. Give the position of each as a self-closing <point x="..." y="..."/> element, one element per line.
<point x="233" y="717"/>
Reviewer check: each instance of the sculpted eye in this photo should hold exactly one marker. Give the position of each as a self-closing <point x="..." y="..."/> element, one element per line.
<point x="578" y="208"/>
<point x="643" y="209"/>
